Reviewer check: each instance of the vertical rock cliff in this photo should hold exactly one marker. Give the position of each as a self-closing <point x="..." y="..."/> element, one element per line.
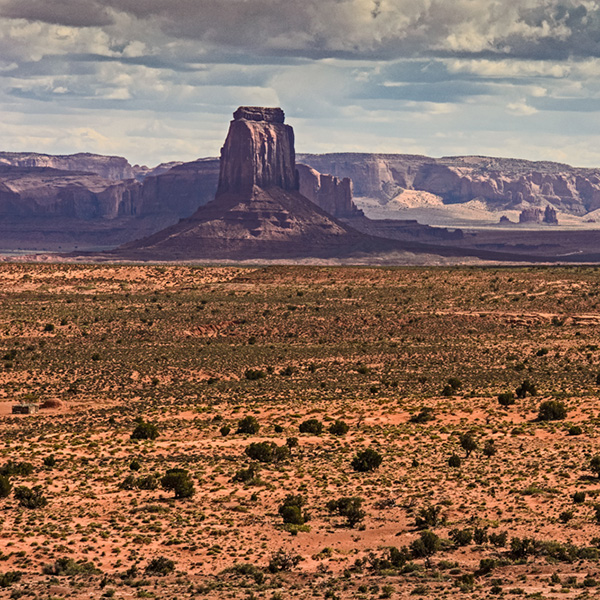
<point x="258" y="151"/>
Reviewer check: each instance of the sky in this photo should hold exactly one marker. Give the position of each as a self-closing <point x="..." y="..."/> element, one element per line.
<point x="158" y="80"/>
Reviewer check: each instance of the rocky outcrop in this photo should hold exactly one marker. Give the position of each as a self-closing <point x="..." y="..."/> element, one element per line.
<point x="258" y="151"/>
<point x="258" y="211"/>
<point x="108" y="167"/>
<point x="332" y="194"/>
<point x="501" y="183"/>
<point x="537" y="215"/>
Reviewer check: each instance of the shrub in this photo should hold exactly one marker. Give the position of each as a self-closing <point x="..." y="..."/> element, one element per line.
<point x="8" y="578"/>
<point x="552" y="410"/>
<point x="468" y="442"/>
<point x="423" y="416"/>
<point x="291" y="442"/>
<point x="144" y="431"/>
<point x="68" y="567"/>
<point x="579" y="497"/>
<point x="283" y="561"/>
<point x="461" y="537"/>
<point x="135" y="465"/>
<point x="225" y="430"/>
<point x="498" y="539"/>
<point x="526" y="388"/>
<point x="366" y="460"/>
<point x="313" y="426"/>
<point x="506" y="399"/>
<point x="254" y="374"/>
<point x="160" y="566"/>
<point x="426" y="545"/>
<point x="267" y="452"/>
<point x="291" y="510"/>
<point x="489" y="449"/>
<point x="595" y="465"/>
<point x="178" y="480"/>
<point x="49" y="461"/>
<point x="246" y="475"/>
<point x="12" y="468"/>
<point x="480" y="535"/>
<point x="5" y="487"/>
<point x="30" y="498"/>
<point x="575" y="430"/>
<point x="349" y="507"/>
<point x="429" y="516"/>
<point x="454" y="461"/>
<point x="248" y="425"/>
<point x="339" y="427"/>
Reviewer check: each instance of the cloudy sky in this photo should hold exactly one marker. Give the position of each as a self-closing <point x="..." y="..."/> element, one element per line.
<point x="157" y="80"/>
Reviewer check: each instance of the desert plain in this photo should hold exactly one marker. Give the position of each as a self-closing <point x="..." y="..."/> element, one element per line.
<point x="472" y="489"/>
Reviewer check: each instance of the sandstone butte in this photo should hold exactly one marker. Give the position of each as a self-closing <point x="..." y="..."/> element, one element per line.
<point x="258" y="211"/>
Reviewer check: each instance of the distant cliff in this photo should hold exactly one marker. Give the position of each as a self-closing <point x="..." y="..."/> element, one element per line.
<point x="503" y="183"/>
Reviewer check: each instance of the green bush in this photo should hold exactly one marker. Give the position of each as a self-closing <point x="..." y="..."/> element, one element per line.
<point x="462" y="537"/>
<point x="429" y="516"/>
<point x="8" y="578"/>
<point x="68" y="567"/>
<point x="246" y="475"/>
<point x="267" y="452"/>
<point x="339" y="427"/>
<point x="30" y="498"/>
<point x="248" y="425"/>
<point x="526" y="388"/>
<point x="160" y="566"/>
<point x="426" y="545"/>
<point x="179" y="481"/>
<point x="579" y="497"/>
<point x="366" y="460"/>
<point x="49" y="461"/>
<point x="506" y="399"/>
<point x="12" y="468"/>
<point x="552" y="410"/>
<point x="283" y="561"/>
<point x="454" y="461"/>
<point x="145" y="431"/>
<point x="312" y="426"/>
<point x="424" y="415"/>
<point x="254" y="374"/>
<point x="291" y="510"/>
<point x="5" y="486"/>
<point x="468" y="442"/>
<point x="348" y="507"/>
<point x="595" y="465"/>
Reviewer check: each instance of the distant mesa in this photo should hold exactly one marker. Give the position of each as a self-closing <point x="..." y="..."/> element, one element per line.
<point x="258" y="211"/>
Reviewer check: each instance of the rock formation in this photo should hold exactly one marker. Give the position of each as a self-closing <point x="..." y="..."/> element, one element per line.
<point x="537" y="215"/>
<point x="332" y="194"/>
<point x="258" y="211"/>
<point x="503" y="183"/>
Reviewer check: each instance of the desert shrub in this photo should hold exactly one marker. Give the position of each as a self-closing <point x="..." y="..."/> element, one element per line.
<point x="30" y="498"/>
<point x="283" y="561"/>
<point x="225" y="430"/>
<point x="291" y="442"/>
<point x="247" y="570"/>
<point x="313" y="426"/>
<point x="348" y="507"/>
<point x="423" y="416"/>
<point x="426" y="545"/>
<point x="160" y="566"/>
<point x="339" y="427"/>
<point x="428" y="516"/>
<point x="489" y="449"/>
<point x="249" y="425"/>
<point x="254" y="374"/>
<point x="288" y="371"/>
<point x="454" y="461"/>
<point x="12" y="468"/>
<point x="575" y="430"/>
<point x="179" y="481"/>
<point x="277" y="428"/>
<point x="8" y="578"/>
<point x="595" y="465"/>
<point x="579" y="497"/>
<point x="525" y="388"/>
<point x="522" y="547"/>
<point x="51" y="403"/>
<point x="454" y="383"/>
<point x="498" y="539"/>
<point x="149" y="482"/>
<point x="145" y="431"/>
<point x="552" y="410"/>
<point x="486" y="565"/>
<point x="267" y="452"/>
<point x="68" y="567"/>
<point x="246" y="475"/>
<point x="462" y="537"/>
<point x="49" y="327"/>
<point x="291" y="509"/>
<point x="5" y="486"/>
<point x="366" y="460"/>
<point x="135" y="465"/>
<point x="468" y="442"/>
<point x="128" y="483"/>
<point x="49" y="461"/>
<point x="506" y="399"/>
<point x="480" y="535"/>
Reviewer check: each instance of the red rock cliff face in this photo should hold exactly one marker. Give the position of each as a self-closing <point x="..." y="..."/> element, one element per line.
<point x="258" y="151"/>
<point x="332" y="194"/>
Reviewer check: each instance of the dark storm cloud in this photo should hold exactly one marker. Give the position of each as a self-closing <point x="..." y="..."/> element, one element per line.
<point x="74" y="13"/>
